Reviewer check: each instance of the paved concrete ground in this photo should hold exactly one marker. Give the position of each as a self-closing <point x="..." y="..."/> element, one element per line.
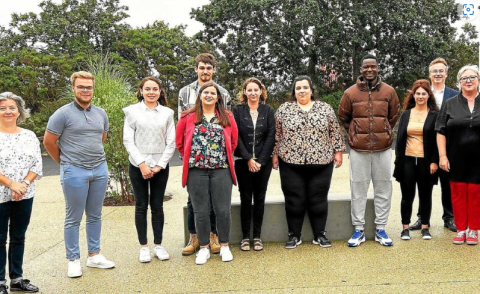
<point x="414" y="266"/>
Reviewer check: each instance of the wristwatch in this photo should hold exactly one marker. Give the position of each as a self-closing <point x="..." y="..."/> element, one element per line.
<point x="26" y="182"/>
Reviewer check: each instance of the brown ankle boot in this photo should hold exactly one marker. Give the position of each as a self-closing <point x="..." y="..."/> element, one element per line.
<point x="192" y="246"/>
<point x="214" y="245"/>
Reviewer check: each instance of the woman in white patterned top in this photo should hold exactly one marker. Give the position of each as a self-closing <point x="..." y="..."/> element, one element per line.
<point x="149" y="137"/>
<point x="20" y="165"/>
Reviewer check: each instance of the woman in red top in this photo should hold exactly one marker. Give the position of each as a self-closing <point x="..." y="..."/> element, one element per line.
<point x="206" y="137"/>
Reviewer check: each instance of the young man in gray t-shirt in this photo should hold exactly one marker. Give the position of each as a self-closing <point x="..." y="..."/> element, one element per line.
<point x="80" y="129"/>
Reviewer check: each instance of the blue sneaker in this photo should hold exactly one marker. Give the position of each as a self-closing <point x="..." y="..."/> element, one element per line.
<point x="382" y="238"/>
<point x="357" y="238"/>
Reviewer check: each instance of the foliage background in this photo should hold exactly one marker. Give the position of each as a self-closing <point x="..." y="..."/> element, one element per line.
<point x="274" y="40"/>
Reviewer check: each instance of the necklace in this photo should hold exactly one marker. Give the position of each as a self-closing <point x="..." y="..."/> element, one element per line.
<point x="254" y="114"/>
<point x="419" y="115"/>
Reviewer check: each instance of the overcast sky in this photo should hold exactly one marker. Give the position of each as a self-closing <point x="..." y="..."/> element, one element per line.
<point x="142" y="12"/>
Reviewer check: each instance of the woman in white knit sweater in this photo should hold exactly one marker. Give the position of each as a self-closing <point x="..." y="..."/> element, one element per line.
<point x="149" y="137"/>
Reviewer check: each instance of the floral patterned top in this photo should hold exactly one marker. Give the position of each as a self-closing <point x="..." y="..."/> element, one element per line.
<point x="208" y="145"/>
<point x="307" y="137"/>
<point x="19" y="154"/>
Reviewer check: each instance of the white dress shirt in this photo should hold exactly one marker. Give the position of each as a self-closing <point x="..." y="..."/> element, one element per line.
<point x="439" y="96"/>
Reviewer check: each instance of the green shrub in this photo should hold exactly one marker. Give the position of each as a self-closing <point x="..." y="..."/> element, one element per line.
<point x="333" y="99"/>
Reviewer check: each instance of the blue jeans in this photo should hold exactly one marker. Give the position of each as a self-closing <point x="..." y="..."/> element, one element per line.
<point x="84" y="190"/>
<point x="18" y="214"/>
<point x="211" y="187"/>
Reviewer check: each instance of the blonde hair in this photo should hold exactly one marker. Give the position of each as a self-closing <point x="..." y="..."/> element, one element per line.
<point x="436" y="61"/>
<point x="244" y="99"/>
<point x="82" y="75"/>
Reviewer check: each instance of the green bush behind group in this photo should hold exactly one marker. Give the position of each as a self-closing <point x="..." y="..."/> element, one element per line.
<point x="274" y="40"/>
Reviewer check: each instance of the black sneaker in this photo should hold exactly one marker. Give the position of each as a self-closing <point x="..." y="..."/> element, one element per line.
<point x="449" y="224"/>
<point x="322" y="240"/>
<point x="293" y="242"/>
<point x="426" y="234"/>
<point x="417" y="225"/>
<point x="405" y="234"/>
<point x="3" y="289"/>
<point x="23" y="286"/>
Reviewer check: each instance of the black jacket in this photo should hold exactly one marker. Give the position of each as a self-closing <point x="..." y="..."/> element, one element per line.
<point x="264" y="132"/>
<point x="430" y="149"/>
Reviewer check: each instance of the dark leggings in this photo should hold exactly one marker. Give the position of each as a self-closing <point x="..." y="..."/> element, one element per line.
<point x="415" y="174"/>
<point x="305" y="188"/>
<point x="446" y="196"/>
<point x="158" y="183"/>
<point x="14" y="220"/>
<point x="252" y="186"/>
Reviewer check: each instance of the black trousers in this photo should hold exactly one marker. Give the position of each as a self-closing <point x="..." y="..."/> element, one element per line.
<point x="158" y="184"/>
<point x="446" y="196"/>
<point x="305" y="188"/>
<point x="252" y="186"/>
<point x="14" y="220"/>
<point x="416" y="175"/>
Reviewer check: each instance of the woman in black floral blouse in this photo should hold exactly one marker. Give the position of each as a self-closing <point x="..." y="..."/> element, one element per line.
<point x="206" y="136"/>
<point x="308" y="144"/>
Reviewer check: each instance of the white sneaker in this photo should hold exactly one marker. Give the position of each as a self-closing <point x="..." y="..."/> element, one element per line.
<point x="99" y="261"/>
<point x="225" y="253"/>
<point x="202" y="256"/>
<point x="74" y="268"/>
<point x="144" y="255"/>
<point x="161" y="253"/>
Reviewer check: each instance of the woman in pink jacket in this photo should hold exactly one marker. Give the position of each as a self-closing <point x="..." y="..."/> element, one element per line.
<point x="206" y="137"/>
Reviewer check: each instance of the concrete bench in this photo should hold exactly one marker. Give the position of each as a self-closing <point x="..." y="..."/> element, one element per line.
<point x="274" y="229"/>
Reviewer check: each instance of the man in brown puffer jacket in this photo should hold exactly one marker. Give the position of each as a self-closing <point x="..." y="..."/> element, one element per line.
<point x="369" y="110"/>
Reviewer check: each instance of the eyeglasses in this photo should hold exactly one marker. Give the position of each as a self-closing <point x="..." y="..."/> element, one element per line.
<point x="468" y="79"/>
<point x="4" y="109"/>
<point x="437" y="71"/>
<point x="84" y="89"/>
<point x="209" y="68"/>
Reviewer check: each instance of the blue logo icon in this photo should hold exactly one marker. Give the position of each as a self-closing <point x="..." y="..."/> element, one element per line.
<point x="468" y="9"/>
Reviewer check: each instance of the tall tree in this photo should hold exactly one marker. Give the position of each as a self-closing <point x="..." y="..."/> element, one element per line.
<point x="72" y="27"/>
<point x="278" y="39"/>
<point x="464" y="50"/>
<point x="159" y="50"/>
<point x="38" y="52"/>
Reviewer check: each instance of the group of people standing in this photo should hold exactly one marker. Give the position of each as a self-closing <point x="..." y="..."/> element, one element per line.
<point x="438" y="133"/>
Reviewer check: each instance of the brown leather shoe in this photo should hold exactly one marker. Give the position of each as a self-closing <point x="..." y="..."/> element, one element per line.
<point x="192" y="246"/>
<point x="214" y="245"/>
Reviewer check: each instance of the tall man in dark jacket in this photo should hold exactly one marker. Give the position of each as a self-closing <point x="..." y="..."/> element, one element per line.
<point x="369" y="110"/>
<point x="438" y="73"/>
